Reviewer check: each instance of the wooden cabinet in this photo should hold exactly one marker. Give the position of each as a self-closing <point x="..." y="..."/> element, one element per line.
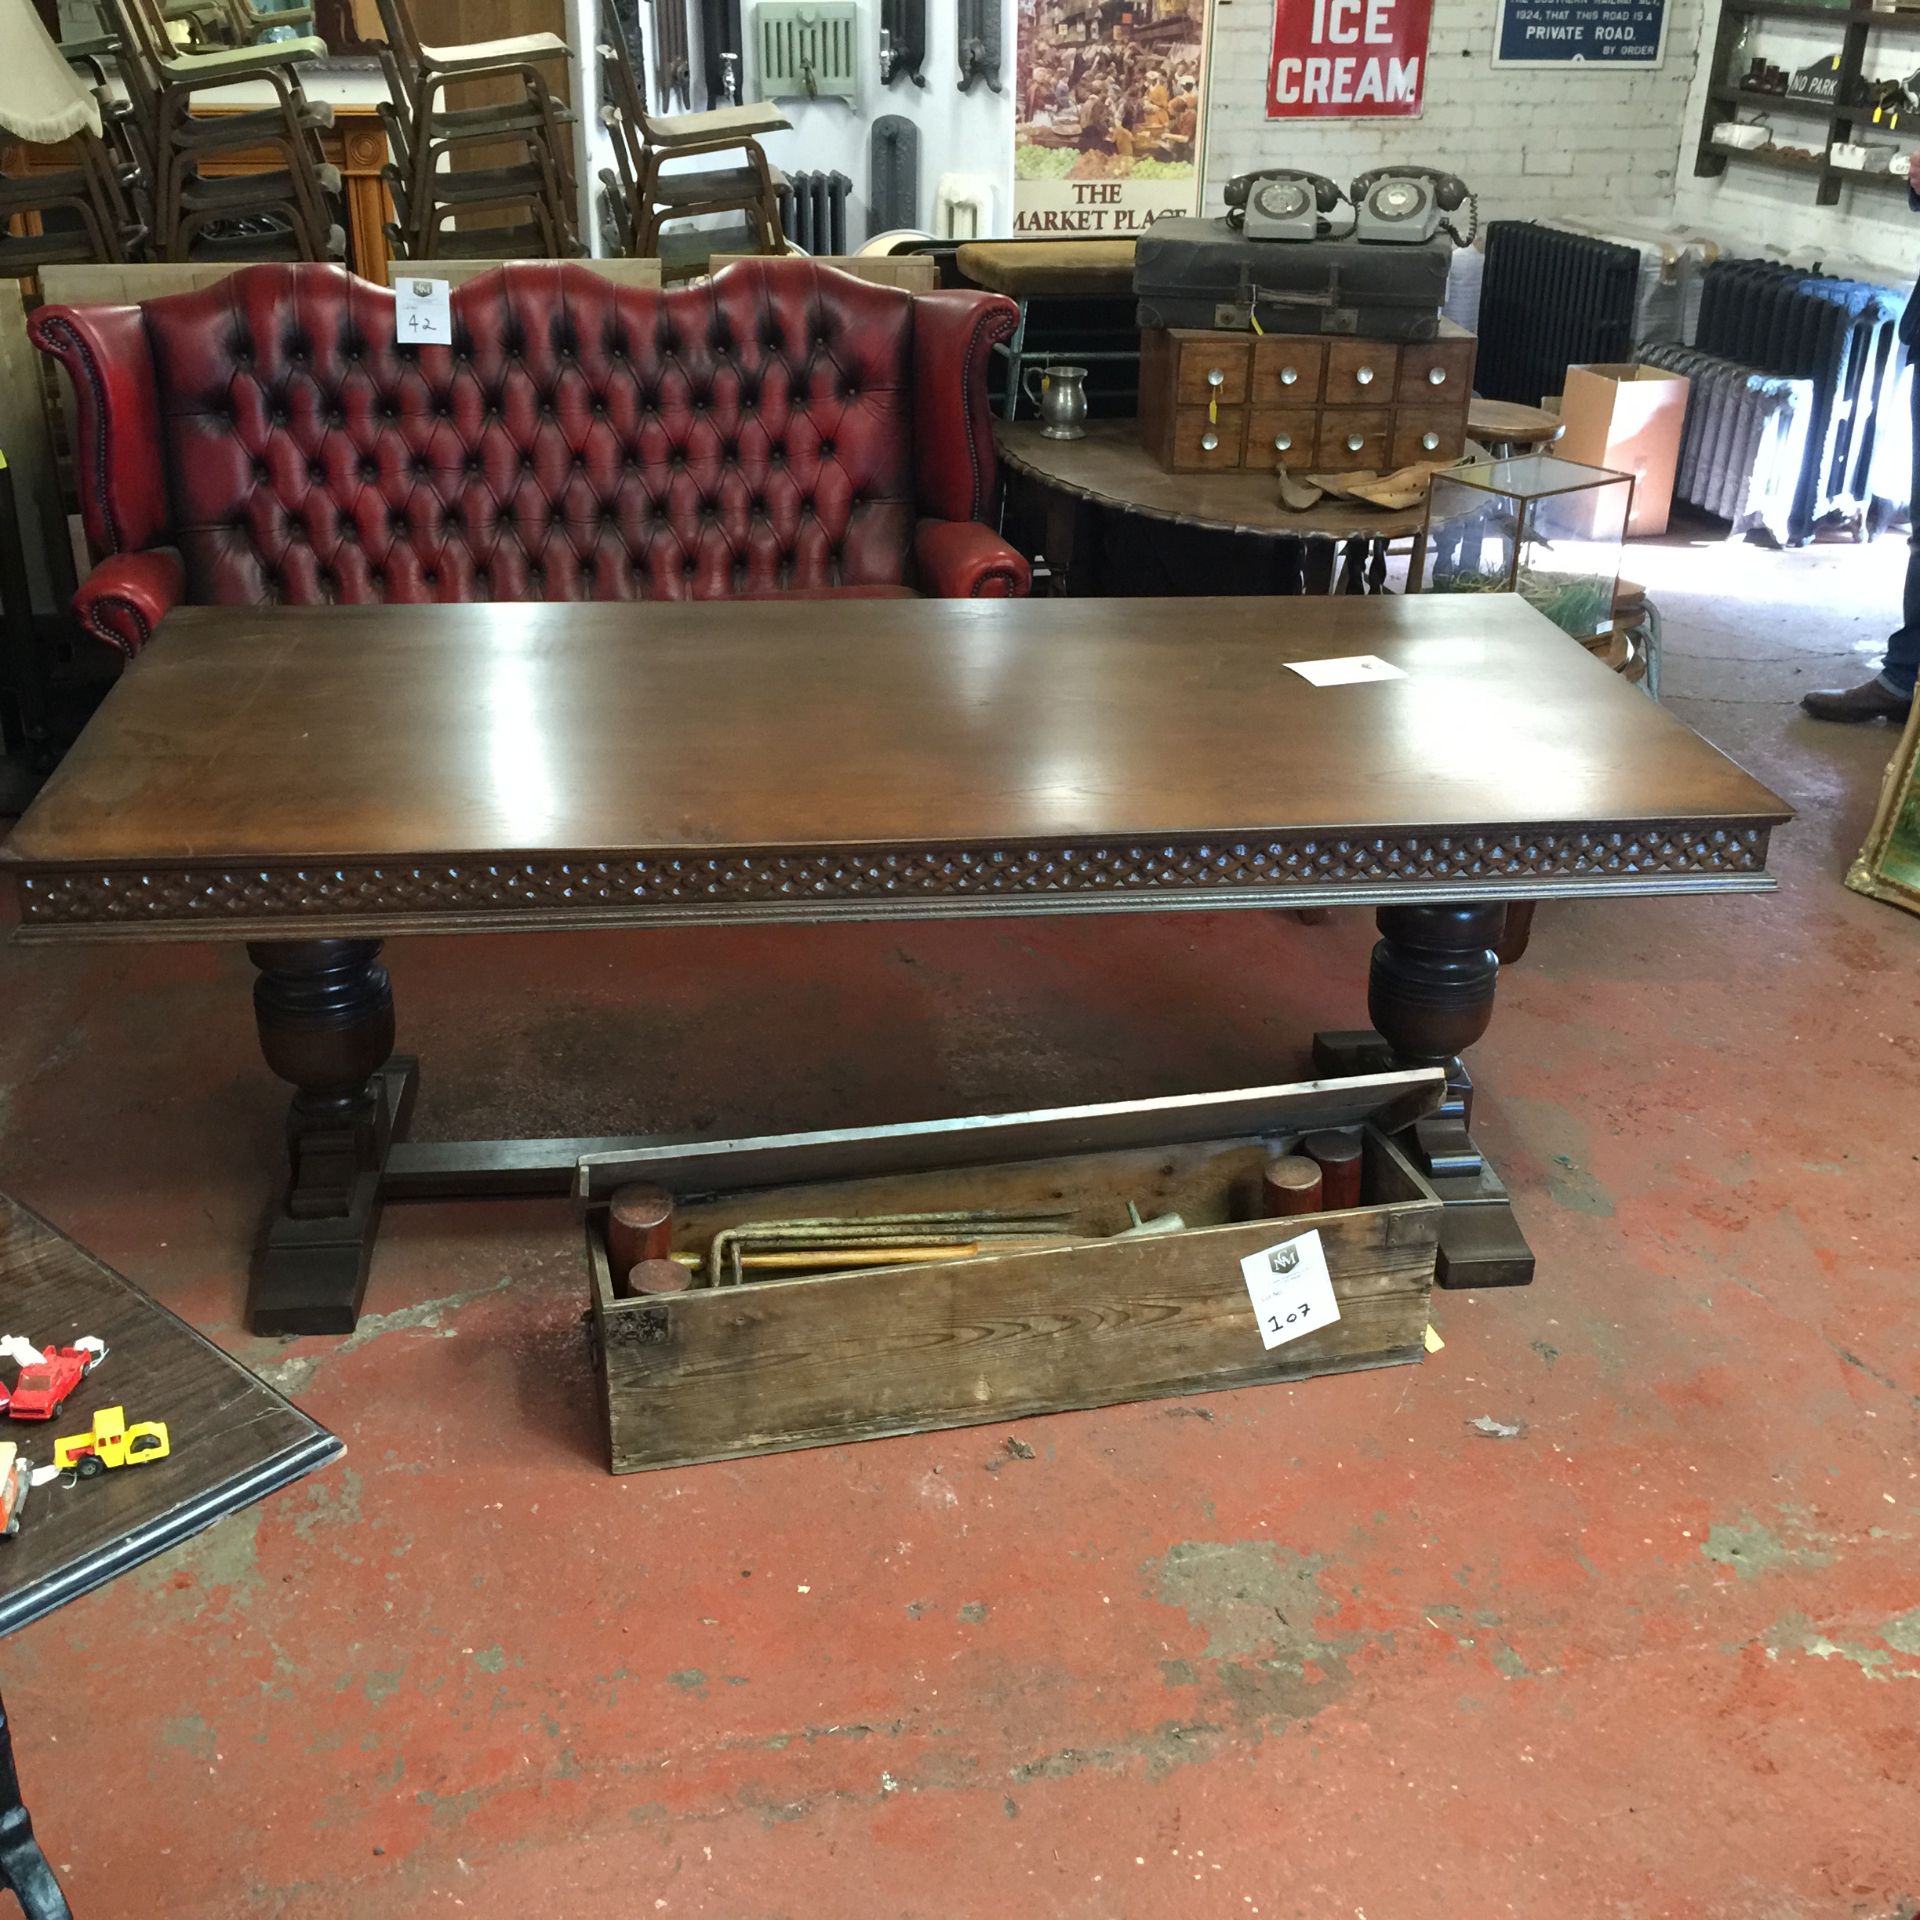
<point x="1202" y="440"/>
<point x="1193" y="391"/>
<point x="1287" y="371"/>
<point x="1354" y="437"/>
<point x="1209" y="367"/>
<point x="1427" y="433"/>
<point x="1300" y="401"/>
<point x="1283" y="436"/>
<point x="1360" y="373"/>
<point x="1436" y="373"/>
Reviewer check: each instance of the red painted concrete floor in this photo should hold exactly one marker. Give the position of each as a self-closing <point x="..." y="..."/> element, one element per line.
<point x="1322" y="1651"/>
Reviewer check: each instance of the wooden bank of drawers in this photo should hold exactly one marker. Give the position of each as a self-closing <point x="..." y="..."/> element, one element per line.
<point x="1218" y="400"/>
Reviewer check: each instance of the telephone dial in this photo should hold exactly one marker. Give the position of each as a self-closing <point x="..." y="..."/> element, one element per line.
<point x="1279" y="203"/>
<point x="1409" y="205"/>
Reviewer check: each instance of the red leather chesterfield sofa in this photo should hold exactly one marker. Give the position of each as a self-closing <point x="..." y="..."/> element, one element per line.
<point x="782" y="428"/>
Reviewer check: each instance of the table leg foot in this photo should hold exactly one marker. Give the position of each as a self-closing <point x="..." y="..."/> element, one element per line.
<point x="24" y="1871"/>
<point x="324" y="1011"/>
<point x="1430" y="992"/>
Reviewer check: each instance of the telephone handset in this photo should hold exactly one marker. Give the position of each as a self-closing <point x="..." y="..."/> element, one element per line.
<point x="1407" y="204"/>
<point x="1280" y="203"/>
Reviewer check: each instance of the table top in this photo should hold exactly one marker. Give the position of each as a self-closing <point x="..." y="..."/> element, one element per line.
<point x="233" y="1439"/>
<point x="422" y="767"/>
<point x="1112" y="467"/>
<point x="1502" y="421"/>
<point x="1023" y="268"/>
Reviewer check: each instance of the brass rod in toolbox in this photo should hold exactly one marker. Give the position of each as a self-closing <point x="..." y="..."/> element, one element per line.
<point x="726" y="1252"/>
<point x="826" y="1259"/>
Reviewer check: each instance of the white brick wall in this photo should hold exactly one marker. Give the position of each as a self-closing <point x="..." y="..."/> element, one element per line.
<point x="1531" y="141"/>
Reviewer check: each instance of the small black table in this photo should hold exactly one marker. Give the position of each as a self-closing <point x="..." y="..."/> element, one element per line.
<point x="232" y="1440"/>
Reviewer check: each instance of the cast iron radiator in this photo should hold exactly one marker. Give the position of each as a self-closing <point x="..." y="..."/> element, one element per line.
<point x="1763" y="327"/>
<point x="1550" y="299"/>
<point x="1744" y="445"/>
<point x="813" y="211"/>
<point x="893" y="174"/>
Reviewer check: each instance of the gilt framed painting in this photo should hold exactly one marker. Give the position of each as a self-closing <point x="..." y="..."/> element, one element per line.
<point x="1888" y="867"/>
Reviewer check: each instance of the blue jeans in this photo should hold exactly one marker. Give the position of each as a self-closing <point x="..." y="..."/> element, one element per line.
<point x="1903" y="645"/>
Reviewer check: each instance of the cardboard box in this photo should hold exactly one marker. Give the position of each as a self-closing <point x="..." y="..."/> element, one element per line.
<point x="1628" y="418"/>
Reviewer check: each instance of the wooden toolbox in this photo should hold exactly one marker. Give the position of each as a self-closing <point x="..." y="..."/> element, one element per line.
<point x="768" y="1364"/>
<point x="1308" y="402"/>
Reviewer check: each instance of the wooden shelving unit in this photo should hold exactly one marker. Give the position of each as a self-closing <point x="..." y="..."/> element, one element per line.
<point x="1827" y="121"/>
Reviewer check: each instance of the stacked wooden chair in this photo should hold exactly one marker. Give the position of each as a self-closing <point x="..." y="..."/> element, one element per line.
<point x="237" y="23"/>
<point x="643" y="196"/>
<point x="77" y="211"/>
<point x="199" y="209"/>
<point x="434" y="143"/>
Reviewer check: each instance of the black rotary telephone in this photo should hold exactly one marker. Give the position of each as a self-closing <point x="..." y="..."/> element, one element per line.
<point x="1408" y="205"/>
<point x="1280" y="203"/>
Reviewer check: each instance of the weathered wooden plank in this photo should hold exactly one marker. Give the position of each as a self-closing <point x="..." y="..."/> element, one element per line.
<point x="1389" y="1100"/>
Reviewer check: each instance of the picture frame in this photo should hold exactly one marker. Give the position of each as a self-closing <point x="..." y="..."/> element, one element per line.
<point x="1888" y="865"/>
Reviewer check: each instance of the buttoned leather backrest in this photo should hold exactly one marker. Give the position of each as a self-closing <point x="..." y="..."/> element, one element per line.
<point x="577" y="441"/>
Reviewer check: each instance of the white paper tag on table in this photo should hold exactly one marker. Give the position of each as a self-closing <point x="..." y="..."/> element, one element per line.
<point x="1291" y="1290"/>
<point x="423" y="312"/>
<point x="1346" y="671"/>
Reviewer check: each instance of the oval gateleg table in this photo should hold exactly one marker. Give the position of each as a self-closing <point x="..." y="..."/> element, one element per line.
<point x="1112" y="522"/>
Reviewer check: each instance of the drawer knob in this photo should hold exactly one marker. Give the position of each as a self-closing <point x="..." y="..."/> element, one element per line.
<point x="1355" y="442"/>
<point x="1436" y="376"/>
<point x="1282" y="442"/>
<point x="1215" y="378"/>
<point x="1289" y="376"/>
<point x="1208" y="442"/>
<point x="1429" y="441"/>
<point x="1364" y="376"/>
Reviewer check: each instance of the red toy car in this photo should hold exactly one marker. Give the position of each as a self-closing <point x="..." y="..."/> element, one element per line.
<point x="43" y="1386"/>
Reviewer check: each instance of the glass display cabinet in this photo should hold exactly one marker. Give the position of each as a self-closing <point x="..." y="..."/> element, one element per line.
<point x="1549" y="530"/>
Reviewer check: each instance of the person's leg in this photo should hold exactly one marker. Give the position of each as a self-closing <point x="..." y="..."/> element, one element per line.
<point x="1903" y="645"/>
<point x="1889" y="694"/>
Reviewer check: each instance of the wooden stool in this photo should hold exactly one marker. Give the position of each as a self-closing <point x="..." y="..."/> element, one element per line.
<point x="1506" y="428"/>
<point x="1026" y="270"/>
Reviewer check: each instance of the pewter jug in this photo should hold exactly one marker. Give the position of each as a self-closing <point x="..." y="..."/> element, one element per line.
<point x="1062" y="401"/>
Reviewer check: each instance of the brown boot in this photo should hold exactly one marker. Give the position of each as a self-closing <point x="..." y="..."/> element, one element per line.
<point x="1868" y="701"/>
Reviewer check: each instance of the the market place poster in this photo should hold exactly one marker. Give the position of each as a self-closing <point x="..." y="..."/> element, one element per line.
<point x="1108" y="119"/>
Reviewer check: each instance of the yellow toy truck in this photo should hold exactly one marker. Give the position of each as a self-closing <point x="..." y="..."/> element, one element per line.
<point x="112" y="1443"/>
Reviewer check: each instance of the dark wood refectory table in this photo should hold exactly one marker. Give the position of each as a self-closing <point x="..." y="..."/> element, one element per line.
<point x="312" y="780"/>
